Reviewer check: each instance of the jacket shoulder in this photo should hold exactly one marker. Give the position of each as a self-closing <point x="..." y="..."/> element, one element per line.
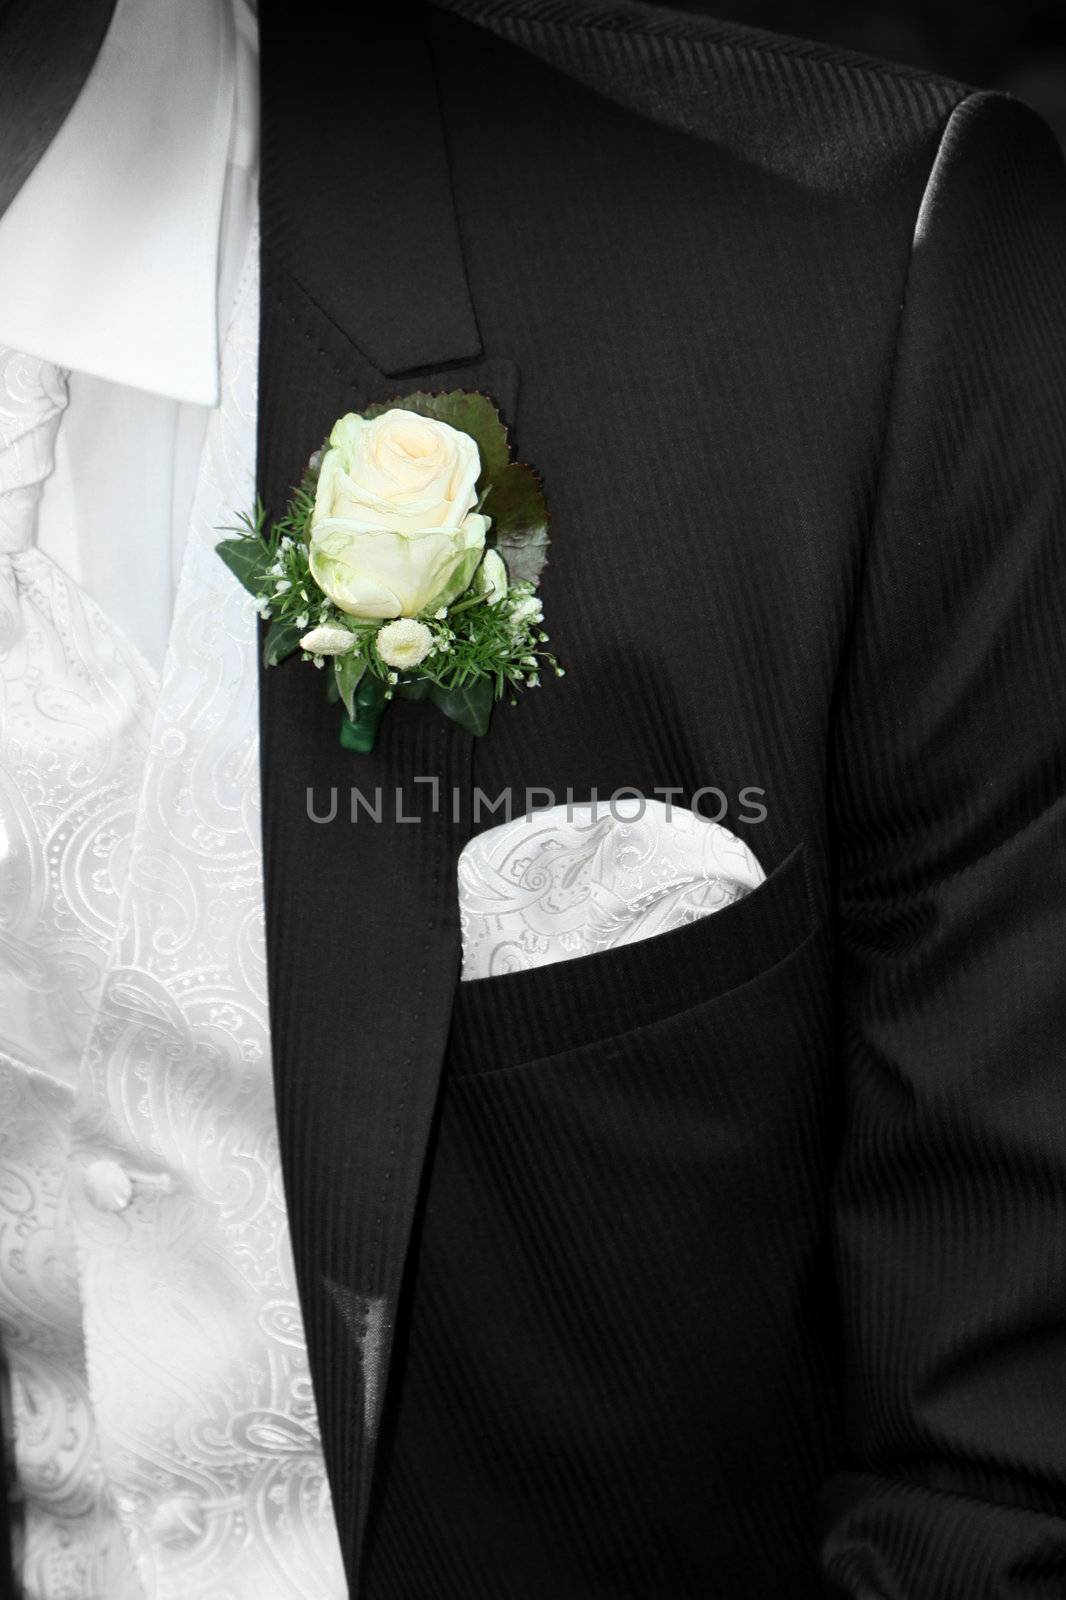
<point x="814" y="114"/>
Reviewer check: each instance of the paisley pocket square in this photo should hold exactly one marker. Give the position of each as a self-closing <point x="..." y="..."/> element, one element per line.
<point x="576" y="879"/>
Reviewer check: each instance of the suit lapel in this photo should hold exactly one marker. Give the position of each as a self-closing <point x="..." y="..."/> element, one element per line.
<point x="47" y="49"/>
<point x="356" y="189"/>
<point x="362" y="282"/>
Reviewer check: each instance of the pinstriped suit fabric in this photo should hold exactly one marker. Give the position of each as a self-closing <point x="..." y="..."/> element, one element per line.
<point x="738" y="1271"/>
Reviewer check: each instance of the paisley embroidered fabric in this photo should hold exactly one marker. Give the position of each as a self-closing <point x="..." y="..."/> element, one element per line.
<point x="572" y="880"/>
<point x="166" y="1436"/>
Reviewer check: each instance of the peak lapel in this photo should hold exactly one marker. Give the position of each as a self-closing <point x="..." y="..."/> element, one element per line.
<point x="356" y="189"/>
<point x="362" y="928"/>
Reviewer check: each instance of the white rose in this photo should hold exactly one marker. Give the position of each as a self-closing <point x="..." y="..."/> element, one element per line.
<point x="403" y="643"/>
<point x="394" y="532"/>
<point x="491" y="579"/>
<point x="398" y="471"/>
<point x="374" y="574"/>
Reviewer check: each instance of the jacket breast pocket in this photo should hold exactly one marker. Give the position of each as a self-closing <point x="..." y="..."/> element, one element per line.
<point x="522" y="1017"/>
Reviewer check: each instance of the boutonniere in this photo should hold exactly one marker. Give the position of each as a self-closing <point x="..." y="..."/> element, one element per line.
<point x="407" y="561"/>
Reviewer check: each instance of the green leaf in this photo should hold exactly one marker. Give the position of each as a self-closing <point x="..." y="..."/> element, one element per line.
<point x="282" y="639"/>
<point x="470" y="707"/>
<point x="347" y="672"/>
<point x="249" y="560"/>
<point x="471" y="412"/>
<point x="520" y="522"/>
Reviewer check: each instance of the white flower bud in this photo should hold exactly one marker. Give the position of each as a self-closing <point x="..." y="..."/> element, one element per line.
<point x="328" y="641"/>
<point x="491" y="577"/>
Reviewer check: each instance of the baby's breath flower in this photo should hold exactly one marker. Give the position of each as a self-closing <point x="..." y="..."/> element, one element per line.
<point x="528" y="610"/>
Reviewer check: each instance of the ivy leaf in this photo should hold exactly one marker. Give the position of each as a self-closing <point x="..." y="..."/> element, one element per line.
<point x="471" y="412"/>
<point x="470" y="707"/>
<point x="347" y="671"/>
<point x="249" y="560"/>
<point x="520" y="522"/>
<point x="282" y="639"/>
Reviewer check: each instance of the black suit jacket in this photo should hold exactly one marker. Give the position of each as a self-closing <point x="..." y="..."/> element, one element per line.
<point x="733" y="1263"/>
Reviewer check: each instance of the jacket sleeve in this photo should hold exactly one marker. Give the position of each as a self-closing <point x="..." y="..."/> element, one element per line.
<point x="949" y="777"/>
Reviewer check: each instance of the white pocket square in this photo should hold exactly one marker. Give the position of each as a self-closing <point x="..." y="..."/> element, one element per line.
<point x="575" y="879"/>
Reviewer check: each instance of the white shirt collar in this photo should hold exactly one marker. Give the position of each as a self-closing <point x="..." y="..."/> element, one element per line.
<point x="109" y="254"/>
